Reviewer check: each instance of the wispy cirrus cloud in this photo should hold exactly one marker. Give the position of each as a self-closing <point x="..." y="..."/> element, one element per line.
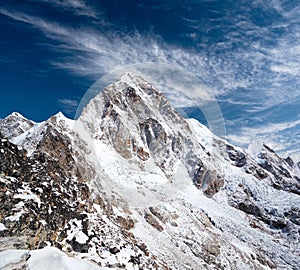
<point x="50" y="29"/>
<point x="103" y="52"/>
<point x="223" y="71"/>
<point x="256" y="64"/>
<point x="68" y="105"/>
<point x="282" y="136"/>
<point x="79" y="7"/>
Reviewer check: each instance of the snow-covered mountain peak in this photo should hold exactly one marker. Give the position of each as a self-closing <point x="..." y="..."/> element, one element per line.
<point x="132" y="94"/>
<point x="28" y="134"/>
<point x="133" y="185"/>
<point x="144" y="130"/>
<point x="61" y="121"/>
<point x="132" y="99"/>
<point x="132" y="79"/>
<point x="16" y="115"/>
<point x="14" y="125"/>
<point x="60" y="115"/>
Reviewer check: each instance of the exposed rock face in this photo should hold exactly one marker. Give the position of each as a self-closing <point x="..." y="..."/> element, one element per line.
<point x="36" y="193"/>
<point x="285" y="175"/>
<point x="232" y="211"/>
<point x="139" y="122"/>
<point x="236" y="156"/>
<point x="282" y="173"/>
<point x="42" y="202"/>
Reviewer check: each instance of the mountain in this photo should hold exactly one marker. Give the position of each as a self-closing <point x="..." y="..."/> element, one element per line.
<point x="133" y="185"/>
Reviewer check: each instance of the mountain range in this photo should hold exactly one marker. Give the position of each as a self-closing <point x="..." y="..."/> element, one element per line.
<point x="131" y="184"/>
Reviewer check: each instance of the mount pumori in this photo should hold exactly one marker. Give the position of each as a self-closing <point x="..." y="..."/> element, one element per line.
<point x="133" y="185"/>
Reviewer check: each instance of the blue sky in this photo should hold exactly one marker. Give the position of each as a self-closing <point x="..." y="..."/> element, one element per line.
<point x="246" y="53"/>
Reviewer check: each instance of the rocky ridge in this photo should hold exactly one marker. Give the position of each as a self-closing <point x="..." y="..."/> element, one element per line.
<point x="45" y="201"/>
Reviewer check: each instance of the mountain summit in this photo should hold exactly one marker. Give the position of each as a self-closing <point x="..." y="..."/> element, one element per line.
<point x="133" y="185"/>
<point x="154" y="142"/>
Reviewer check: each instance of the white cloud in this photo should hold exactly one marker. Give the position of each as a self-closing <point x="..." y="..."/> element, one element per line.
<point x="279" y="136"/>
<point x="79" y="7"/>
<point x="286" y="69"/>
<point x="68" y="105"/>
<point x="276" y="127"/>
<point x="230" y="72"/>
<point x="262" y="73"/>
<point x="49" y="28"/>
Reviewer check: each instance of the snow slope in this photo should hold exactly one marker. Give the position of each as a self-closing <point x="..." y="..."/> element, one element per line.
<point x="48" y="258"/>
